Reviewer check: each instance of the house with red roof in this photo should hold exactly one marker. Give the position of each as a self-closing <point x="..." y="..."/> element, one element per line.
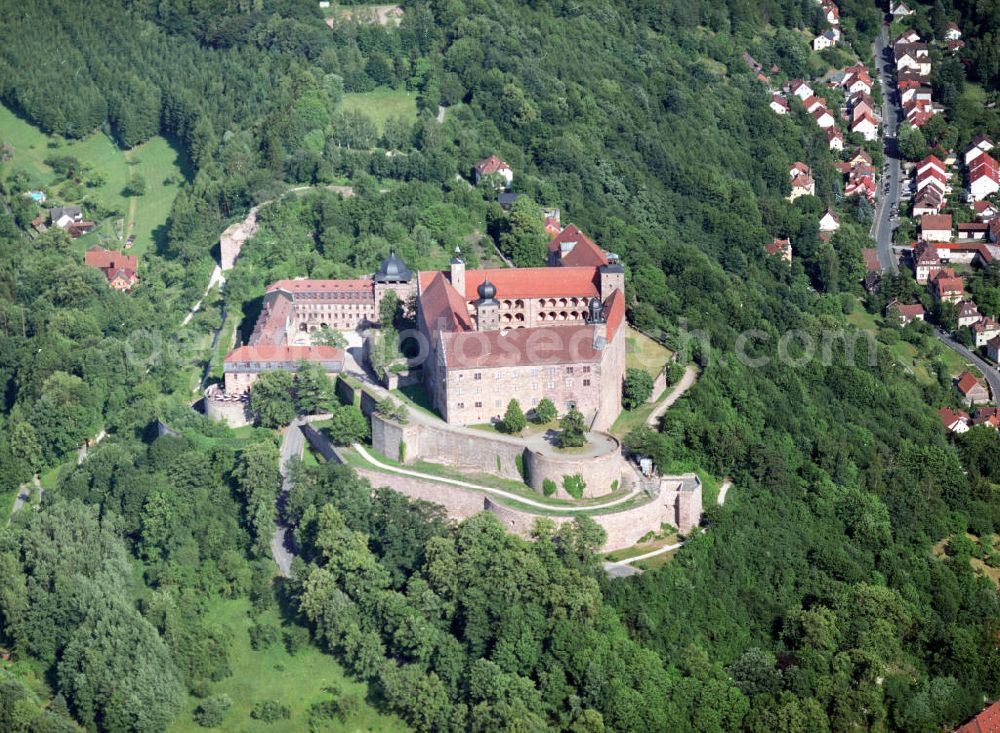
<point x="120" y="269"/>
<point x="779" y="104"/>
<point x="984" y="210"/>
<point x="493" y="166"/>
<point x="952" y="32"/>
<point x="926" y="262"/>
<point x="834" y="138"/>
<point x="928" y="200"/>
<point x="935" y="227"/>
<point x="980" y="144"/>
<point x="984" y="177"/>
<point x="800" y="89"/>
<point x="967" y="313"/>
<point x="781" y="248"/>
<point x="984" y="330"/>
<point x="954" y="421"/>
<point x="865" y="125"/>
<point x="948" y="288"/>
<point x="972" y="391"/>
<point x="906" y="314"/>
<point x="824" y="118"/>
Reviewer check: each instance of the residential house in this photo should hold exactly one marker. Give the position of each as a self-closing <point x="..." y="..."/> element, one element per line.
<point x="993" y="349"/>
<point x="954" y="421"/>
<point x="829" y="222"/>
<point x="860" y="156"/>
<point x="779" y="104"/>
<point x="813" y="103"/>
<point x="865" y="125"/>
<point x="826" y="39"/>
<point x="552" y="222"/>
<point x="952" y="32"/>
<point x="800" y="89"/>
<point x="905" y="314"/>
<point x="980" y="144"/>
<point x="506" y="199"/>
<point x="907" y="36"/>
<point x="967" y="313"/>
<point x="928" y="201"/>
<point x="984" y="210"/>
<point x="984" y="177"/>
<point x="860" y="183"/>
<point x="973" y="230"/>
<point x="63" y="216"/>
<point x="782" y="247"/>
<point x="931" y="176"/>
<point x="900" y="10"/>
<point x="872" y="263"/>
<point x="935" y="227"/>
<point x="860" y="83"/>
<point x="824" y="118"/>
<point x="914" y="57"/>
<point x="861" y="102"/>
<point x="984" y="330"/>
<point x="834" y="138"/>
<point x="947" y="288"/>
<point x="493" y="166"/>
<point x="797" y="169"/>
<point x="120" y="269"/>
<point x="802" y="186"/>
<point x="926" y="262"/>
<point x="971" y="390"/>
<point x="914" y="93"/>
<point x="955" y="46"/>
<point x="932" y="162"/>
<point x="831" y="12"/>
<point x="989" y="416"/>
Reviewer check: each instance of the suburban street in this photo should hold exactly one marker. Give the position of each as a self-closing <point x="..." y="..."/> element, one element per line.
<point x="990" y="372"/>
<point x="882" y="227"/>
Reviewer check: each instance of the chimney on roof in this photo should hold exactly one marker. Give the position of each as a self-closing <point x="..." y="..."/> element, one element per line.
<point x="458" y="272"/>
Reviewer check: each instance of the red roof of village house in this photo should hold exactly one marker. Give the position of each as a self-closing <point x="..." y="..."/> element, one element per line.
<point x="984" y="165"/>
<point x="932" y="160"/>
<point x="981" y="207"/>
<point x="949" y="416"/>
<point x="966" y="383"/>
<point x="284" y="354"/>
<point x="947" y="286"/>
<point x="935" y="222"/>
<point x="931" y="173"/>
<point x="491" y="164"/>
<point x="105" y="258"/>
<point x="778" y="246"/>
<point x="911" y="311"/>
<point x="583" y="251"/>
<point x="534" y="282"/>
<point x="871" y="259"/>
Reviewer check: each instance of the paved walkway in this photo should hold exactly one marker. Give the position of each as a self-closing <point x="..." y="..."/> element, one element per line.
<point x="685" y="383"/>
<point x="24" y="494"/>
<point x="487" y="489"/>
<point x="292" y="444"/>
<point x="623" y="568"/>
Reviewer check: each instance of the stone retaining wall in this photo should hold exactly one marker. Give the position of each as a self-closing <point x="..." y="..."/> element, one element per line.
<point x="602" y="474"/>
<point x="233" y="410"/>
<point x="459" y="503"/>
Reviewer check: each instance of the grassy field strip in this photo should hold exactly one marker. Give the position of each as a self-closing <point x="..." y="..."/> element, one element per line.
<point x="382" y="104"/>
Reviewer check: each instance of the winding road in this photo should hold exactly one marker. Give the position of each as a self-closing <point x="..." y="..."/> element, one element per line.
<point x="683" y="385"/>
<point x="292" y="445"/>
<point x="892" y="178"/>
<point x="990" y="372"/>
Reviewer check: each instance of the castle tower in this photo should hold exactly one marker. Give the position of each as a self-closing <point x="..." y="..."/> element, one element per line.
<point x="458" y="272"/>
<point x="487" y="307"/>
<point x="612" y="278"/>
<point x="396" y="276"/>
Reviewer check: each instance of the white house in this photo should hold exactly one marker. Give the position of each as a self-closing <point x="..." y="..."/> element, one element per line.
<point x="932" y="162"/>
<point x="779" y="104"/>
<point x="984" y="177"/>
<point x="829" y="222"/>
<point x="823" y="118"/>
<point x="979" y="145"/>
<point x="861" y="83"/>
<point x="493" y="165"/>
<point x="936" y="227"/>
<point x="953" y="33"/>
<point x="900" y="10"/>
<point x="824" y="40"/>
<point x="802" y="186"/>
<point x="866" y="125"/>
<point x="835" y="138"/>
<point x="967" y="313"/>
<point x="800" y="89"/>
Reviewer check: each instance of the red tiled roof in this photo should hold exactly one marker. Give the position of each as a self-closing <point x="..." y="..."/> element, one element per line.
<point x="871" y="259"/>
<point x="534" y="282"/>
<point x="583" y="252"/>
<point x="519" y="347"/>
<point x="966" y="382"/>
<point x="984" y="165"/>
<point x="932" y="160"/>
<point x="974" y="226"/>
<point x="322" y="286"/>
<point x="491" y="164"/>
<point x="105" y="258"/>
<point x="911" y="311"/>
<point x="949" y="285"/>
<point x="283" y="354"/>
<point x="615" y="312"/>
<point x="935" y="222"/>
<point x="441" y="306"/>
<point x="949" y="416"/>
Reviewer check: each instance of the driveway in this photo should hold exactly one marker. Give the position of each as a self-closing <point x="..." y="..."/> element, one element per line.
<point x="882" y="224"/>
<point x="292" y="445"/>
<point x="989" y="371"/>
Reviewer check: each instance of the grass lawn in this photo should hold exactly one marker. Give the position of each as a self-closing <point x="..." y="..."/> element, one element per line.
<point x="629" y="420"/>
<point x="382" y="104"/>
<point x="642" y="352"/>
<point x="273" y="674"/>
<point x="142" y="216"/>
<point x="642" y="548"/>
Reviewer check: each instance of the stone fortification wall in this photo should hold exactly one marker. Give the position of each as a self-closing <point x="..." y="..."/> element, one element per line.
<point x="231" y="409"/>
<point x="602" y="474"/>
<point x="389" y="439"/>
<point x="457" y="502"/>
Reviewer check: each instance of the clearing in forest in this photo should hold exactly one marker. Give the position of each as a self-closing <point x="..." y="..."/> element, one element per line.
<point x="382" y="104"/>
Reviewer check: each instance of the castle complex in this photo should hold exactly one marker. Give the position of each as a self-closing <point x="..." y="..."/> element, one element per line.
<point x="487" y="336"/>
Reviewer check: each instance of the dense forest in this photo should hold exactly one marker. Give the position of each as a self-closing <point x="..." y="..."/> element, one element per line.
<point x="812" y="603"/>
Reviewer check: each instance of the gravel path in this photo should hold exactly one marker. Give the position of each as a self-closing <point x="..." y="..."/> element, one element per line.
<point x="685" y="383"/>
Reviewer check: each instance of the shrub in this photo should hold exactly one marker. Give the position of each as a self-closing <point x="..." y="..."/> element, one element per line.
<point x="270" y="711"/>
<point x="549" y="487"/>
<point x="402" y="451"/>
<point x="638" y="388"/>
<point x="210" y="712"/>
<point x="522" y="470"/>
<point x="573" y="430"/>
<point x="513" y="419"/>
<point x="574" y="485"/>
<point x="545" y="411"/>
<point x="296" y="638"/>
<point x="263" y="635"/>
